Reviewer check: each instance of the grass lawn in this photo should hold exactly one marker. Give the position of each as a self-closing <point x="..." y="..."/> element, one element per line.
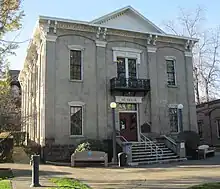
<point x="207" y="186"/>
<point x="6" y="184"/>
<point x="4" y="175"/>
<point x="68" y="183"/>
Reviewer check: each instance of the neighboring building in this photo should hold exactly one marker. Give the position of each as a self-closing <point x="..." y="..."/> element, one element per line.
<point x="75" y="69"/>
<point x="208" y="115"/>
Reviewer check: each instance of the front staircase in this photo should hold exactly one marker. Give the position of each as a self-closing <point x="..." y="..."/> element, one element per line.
<point x="149" y="151"/>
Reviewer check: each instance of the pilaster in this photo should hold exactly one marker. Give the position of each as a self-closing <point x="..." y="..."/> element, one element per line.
<point x="190" y="93"/>
<point x="101" y="95"/>
<point x="154" y="92"/>
<point x="49" y="81"/>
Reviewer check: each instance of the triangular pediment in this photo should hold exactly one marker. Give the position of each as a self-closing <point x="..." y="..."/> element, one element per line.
<point x="127" y="19"/>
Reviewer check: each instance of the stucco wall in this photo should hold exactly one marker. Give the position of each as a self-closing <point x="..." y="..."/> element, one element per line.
<point x="94" y="90"/>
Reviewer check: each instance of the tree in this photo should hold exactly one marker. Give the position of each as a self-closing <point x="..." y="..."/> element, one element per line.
<point x="8" y="107"/>
<point x="10" y="21"/>
<point x="205" y="53"/>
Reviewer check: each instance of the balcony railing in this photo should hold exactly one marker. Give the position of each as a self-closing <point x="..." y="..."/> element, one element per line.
<point x="130" y="84"/>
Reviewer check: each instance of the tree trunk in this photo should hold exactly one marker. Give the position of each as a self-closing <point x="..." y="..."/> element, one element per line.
<point x="207" y="91"/>
<point x="196" y="81"/>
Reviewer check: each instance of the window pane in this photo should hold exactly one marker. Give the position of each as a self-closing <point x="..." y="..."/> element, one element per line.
<point x="132" y="71"/>
<point x="170" y="72"/>
<point x="173" y="119"/>
<point x="75" y="65"/>
<point x="121" y="67"/>
<point x="76" y="120"/>
<point x="200" y="128"/>
<point x="126" y="107"/>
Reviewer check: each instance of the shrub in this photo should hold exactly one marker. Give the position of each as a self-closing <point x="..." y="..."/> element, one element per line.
<point x="90" y="144"/>
<point x="6" y="147"/>
<point x="85" y="146"/>
<point x="19" y="137"/>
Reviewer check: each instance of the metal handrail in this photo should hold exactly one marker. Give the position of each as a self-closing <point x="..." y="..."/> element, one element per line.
<point x="147" y="140"/>
<point x="170" y="140"/>
<point x="120" y="136"/>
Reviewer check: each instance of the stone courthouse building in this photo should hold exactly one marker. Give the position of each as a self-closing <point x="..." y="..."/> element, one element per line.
<point x="75" y="69"/>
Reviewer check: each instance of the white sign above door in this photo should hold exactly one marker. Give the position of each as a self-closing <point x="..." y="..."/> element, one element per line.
<point x="128" y="99"/>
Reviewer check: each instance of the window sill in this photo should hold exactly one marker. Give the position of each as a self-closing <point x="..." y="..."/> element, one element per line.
<point x="76" y="136"/>
<point x="172" y="86"/>
<point x="74" y="80"/>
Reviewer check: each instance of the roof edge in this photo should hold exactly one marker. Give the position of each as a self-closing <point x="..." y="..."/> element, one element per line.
<point x="41" y="17"/>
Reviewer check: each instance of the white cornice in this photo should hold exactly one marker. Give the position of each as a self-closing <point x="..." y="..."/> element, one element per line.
<point x="83" y="24"/>
<point x="100" y="43"/>
<point x="188" y="54"/>
<point x="51" y="38"/>
<point x="76" y="103"/>
<point x="126" y="49"/>
<point x="76" y="47"/>
<point x="151" y="49"/>
<point x="126" y="52"/>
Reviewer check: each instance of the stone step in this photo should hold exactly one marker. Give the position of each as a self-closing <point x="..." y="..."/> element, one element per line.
<point x="154" y="158"/>
<point x="148" y="143"/>
<point x="149" y="152"/>
<point x="148" y="148"/>
<point x="155" y="161"/>
<point x="151" y="155"/>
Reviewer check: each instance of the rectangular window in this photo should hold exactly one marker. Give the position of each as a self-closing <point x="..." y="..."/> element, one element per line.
<point x="75" y="65"/>
<point x="171" y="80"/>
<point x="121" y="68"/>
<point x="200" y="128"/>
<point x="173" y="116"/>
<point x="76" y="117"/>
<point x="218" y="127"/>
<point x="126" y="68"/>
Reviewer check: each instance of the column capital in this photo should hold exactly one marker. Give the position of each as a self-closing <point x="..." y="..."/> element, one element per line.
<point x="188" y="54"/>
<point x="51" y="38"/>
<point x="151" y="49"/>
<point x="100" y="43"/>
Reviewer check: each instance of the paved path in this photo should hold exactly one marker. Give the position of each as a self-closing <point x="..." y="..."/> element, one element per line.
<point x="172" y="176"/>
<point x="22" y="171"/>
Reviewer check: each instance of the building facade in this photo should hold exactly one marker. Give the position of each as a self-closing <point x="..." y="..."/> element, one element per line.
<point x="75" y="69"/>
<point x="208" y="115"/>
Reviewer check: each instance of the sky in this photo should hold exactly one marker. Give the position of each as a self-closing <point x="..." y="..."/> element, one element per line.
<point x="156" y="11"/>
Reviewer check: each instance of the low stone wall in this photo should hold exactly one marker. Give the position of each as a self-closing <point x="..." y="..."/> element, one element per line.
<point x="58" y="153"/>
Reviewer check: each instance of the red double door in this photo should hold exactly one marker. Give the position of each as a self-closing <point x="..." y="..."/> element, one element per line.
<point x="128" y="125"/>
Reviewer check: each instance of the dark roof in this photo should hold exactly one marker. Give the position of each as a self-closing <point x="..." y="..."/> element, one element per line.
<point x="208" y="103"/>
<point x="14" y="74"/>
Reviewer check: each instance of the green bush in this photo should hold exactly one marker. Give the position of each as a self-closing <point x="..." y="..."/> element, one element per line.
<point x="6" y="147"/>
<point x="19" y="137"/>
<point x="90" y="144"/>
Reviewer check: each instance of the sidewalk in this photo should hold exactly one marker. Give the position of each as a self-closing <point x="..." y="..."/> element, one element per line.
<point x="22" y="171"/>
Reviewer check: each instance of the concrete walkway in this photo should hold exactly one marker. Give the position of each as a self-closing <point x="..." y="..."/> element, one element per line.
<point x="169" y="176"/>
<point x="22" y="171"/>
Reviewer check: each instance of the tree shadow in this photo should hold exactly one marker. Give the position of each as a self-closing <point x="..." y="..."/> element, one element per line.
<point x="150" y="183"/>
<point x="28" y="173"/>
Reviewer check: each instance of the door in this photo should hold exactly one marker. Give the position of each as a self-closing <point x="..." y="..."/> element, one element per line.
<point x="128" y="125"/>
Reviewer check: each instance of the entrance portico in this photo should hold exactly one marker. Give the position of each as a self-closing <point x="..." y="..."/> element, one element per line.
<point x="128" y="117"/>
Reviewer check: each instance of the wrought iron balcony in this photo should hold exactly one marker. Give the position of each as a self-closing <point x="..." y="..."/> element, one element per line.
<point x="130" y="84"/>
